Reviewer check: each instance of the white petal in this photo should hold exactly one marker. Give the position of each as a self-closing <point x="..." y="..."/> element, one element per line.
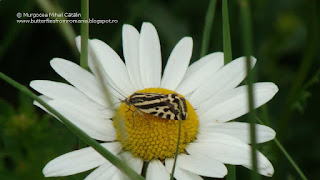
<point x="62" y="91"/>
<point x="132" y="161"/>
<point x="234" y="103"/>
<point x="150" y="56"/>
<point x="99" y="113"/>
<point x="47" y="100"/>
<point x="180" y="174"/>
<point x="80" y="78"/>
<point x="97" y="69"/>
<point x="105" y="171"/>
<point x="115" y="96"/>
<point x="177" y="64"/>
<point x="78" y="161"/>
<point x="202" y="165"/>
<point x="130" y="40"/>
<point x="113" y="65"/>
<point x="118" y="176"/>
<point x="157" y="171"/>
<point x="240" y="130"/>
<point x="199" y="72"/>
<point x="228" y="150"/>
<point x="44" y="98"/>
<point x="227" y="78"/>
<point x="90" y="121"/>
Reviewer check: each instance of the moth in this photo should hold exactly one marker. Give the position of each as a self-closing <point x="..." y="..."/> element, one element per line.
<point x="168" y="106"/>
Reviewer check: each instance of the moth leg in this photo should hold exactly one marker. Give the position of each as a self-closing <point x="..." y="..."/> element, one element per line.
<point x="129" y="109"/>
<point x="144" y="118"/>
<point x="134" y="112"/>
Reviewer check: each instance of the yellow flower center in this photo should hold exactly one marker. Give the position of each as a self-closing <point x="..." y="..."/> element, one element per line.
<point x="151" y="137"/>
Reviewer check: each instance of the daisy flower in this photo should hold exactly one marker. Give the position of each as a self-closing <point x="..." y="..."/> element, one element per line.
<point x="213" y="97"/>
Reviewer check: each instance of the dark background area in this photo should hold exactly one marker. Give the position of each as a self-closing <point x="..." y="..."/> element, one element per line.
<point x="285" y="36"/>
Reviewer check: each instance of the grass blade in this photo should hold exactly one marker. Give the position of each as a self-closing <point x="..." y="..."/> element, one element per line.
<point x="231" y="172"/>
<point x="296" y="167"/>
<point x="247" y="43"/>
<point x="84" y="34"/>
<point x="286" y="154"/>
<point x="226" y="33"/>
<point x="178" y="143"/>
<point x="84" y="30"/>
<point x="207" y="27"/>
<point x="227" y="58"/>
<point x="82" y="135"/>
<point x="176" y="153"/>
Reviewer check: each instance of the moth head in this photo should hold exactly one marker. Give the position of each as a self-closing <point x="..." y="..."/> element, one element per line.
<point x="126" y="101"/>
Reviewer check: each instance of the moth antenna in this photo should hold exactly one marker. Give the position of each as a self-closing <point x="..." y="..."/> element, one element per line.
<point x="96" y="69"/>
<point x="134" y="114"/>
<point x="111" y="106"/>
<point x="115" y="89"/>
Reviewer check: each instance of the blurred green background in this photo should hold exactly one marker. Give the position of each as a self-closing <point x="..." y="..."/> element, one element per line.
<point x="285" y="36"/>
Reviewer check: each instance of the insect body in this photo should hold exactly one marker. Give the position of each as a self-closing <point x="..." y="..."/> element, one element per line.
<point x="168" y="106"/>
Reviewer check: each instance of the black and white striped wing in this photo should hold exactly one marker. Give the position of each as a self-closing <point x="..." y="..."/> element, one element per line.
<point x="168" y="106"/>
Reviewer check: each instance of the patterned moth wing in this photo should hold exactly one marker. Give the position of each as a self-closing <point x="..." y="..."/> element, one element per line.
<point x="168" y="106"/>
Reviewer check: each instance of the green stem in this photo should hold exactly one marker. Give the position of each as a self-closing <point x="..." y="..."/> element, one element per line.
<point x="84" y="42"/>
<point x="227" y="49"/>
<point x="96" y="67"/>
<point x="247" y="42"/>
<point x="207" y="27"/>
<point x="231" y="172"/>
<point x="84" y="34"/>
<point x="82" y="135"/>
<point x="264" y="113"/>
<point x="177" y="148"/>
<point x="144" y="169"/>
<point x="296" y="167"/>
<point x="286" y="154"/>
<point x="226" y="33"/>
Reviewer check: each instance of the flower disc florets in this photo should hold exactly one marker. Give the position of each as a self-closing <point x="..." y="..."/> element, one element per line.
<point x="151" y="137"/>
